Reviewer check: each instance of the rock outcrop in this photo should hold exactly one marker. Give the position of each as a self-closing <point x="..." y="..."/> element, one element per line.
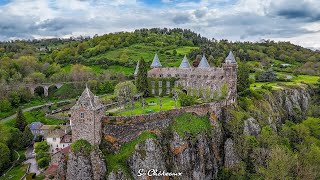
<point x="231" y="159"/>
<point x="251" y="127"/>
<point x="86" y="166"/>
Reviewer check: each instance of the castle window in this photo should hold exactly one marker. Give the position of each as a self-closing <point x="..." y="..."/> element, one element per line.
<point x="168" y="83"/>
<point x="221" y="77"/>
<point x="177" y="75"/>
<point x="160" y="75"/>
<point x="169" y="75"/>
<point x="160" y="91"/>
<point x="168" y="91"/>
<point x="160" y="83"/>
<point x="152" y="84"/>
<point x="54" y="139"/>
<point x="153" y="91"/>
<point x="199" y="76"/>
<point x="176" y="83"/>
<point x="82" y="115"/>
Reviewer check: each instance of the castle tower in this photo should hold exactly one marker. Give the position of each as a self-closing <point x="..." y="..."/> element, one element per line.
<point x="156" y="62"/>
<point x="185" y="63"/>
<point x="230" y="69"/>
<point x="204" y="62"/>
<point x="86" y="117"/>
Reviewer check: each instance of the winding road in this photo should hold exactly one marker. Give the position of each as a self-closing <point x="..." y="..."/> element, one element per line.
<point x="39" y="106"/>
<point x="32" y="108"/>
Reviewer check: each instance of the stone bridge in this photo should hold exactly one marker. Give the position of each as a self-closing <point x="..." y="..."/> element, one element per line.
<point x="44" y="86"/>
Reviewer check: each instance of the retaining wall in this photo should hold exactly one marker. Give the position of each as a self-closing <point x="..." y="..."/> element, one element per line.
<point x="126" y="128"/>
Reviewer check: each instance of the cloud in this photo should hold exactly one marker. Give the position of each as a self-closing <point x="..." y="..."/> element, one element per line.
<point x="296" y="9"/>
<point x="221" y="19"/>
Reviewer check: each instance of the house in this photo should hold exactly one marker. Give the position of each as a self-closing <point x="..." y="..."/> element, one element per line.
<point x="35" y="128"/>
<point x="46" y="129"/>
<point x="59" y="138"/>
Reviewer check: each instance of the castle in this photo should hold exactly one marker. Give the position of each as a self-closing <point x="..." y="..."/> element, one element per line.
<point x="88" y="120"/>
<point x="202" y="81"/>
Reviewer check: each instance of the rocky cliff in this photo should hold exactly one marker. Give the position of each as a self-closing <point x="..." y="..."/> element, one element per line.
<point x="205" y="154"/>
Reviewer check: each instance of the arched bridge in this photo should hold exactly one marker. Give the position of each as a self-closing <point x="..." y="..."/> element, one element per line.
<point x="45" y="87"/>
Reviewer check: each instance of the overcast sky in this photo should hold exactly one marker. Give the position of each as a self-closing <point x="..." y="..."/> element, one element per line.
<point x="297" y="21"/>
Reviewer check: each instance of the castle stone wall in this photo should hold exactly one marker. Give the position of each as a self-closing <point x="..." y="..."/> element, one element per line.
<point x="127" y="128"/>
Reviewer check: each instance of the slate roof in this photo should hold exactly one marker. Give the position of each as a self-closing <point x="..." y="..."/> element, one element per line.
<point x="204" y="63"/>
<point x="156" y="62"/>
<point x="185" y="63"/>
<point x="35" y="125"/>
<point x="230" y="58"/>
<point x="88" y="100"/>
<point x="137" y="69"/>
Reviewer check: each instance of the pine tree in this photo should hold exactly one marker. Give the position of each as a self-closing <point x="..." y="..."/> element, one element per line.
<point x="243" y="77"/>
<point x="141" y="81"/>
<point x="27" y="137"/>
<point x="20" y="121"/>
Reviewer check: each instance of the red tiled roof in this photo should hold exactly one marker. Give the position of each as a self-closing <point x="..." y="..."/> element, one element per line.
<point x="65" y="150"/>
<point x="52" y="169"/>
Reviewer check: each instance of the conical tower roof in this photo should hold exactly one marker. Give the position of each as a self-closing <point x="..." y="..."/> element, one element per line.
<point x="230" y="58"/>
<point x="88" y="100"/>
<point x="185" y="63"/>
<point x="156" y="62"/>
<point x="204" y="63"/>
<point x="137" y="69"/>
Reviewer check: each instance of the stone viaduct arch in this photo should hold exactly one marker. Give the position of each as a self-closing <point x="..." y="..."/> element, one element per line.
<point x="45" y="87"/>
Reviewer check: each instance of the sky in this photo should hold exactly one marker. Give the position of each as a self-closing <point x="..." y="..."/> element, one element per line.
<point x="297" y="21"/>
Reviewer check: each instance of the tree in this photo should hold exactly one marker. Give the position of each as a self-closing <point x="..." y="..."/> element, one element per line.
<point x="20" y="121"/>
<point x="27" y="137"/>
<point x="5" y="105"/>
<point x="280" y="164"/>
<point x="141" y="81"/>
<point x="243" y="77"/>
<point x="125" y="90"/>
<point x="41" y="147"/>
<point x="267" y="76"/>
<point x="4" y="157"/>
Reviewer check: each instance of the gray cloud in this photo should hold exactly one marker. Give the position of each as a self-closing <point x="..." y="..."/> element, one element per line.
<point x="181" y="19"/>
<point x="296" y="9"/>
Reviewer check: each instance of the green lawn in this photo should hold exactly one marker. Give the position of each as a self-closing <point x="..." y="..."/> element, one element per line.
<point x="15" y="173"/>
<point x="167" y="104"/>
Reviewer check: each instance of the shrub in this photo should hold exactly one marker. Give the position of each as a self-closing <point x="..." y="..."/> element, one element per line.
<point x="81" y="146"/>
<point x="43" y="162"/>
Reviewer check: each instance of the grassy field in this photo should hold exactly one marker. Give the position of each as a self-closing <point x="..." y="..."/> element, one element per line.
<point x="300" y="80"/>
<point x="188" y="123"/>
<point x="33" y="116"/>
<point x="15" y="173"/>
<point x="167" y="104"/>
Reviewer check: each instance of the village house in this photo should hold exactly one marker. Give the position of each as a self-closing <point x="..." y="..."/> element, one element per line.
<point x="59" y="138"/>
